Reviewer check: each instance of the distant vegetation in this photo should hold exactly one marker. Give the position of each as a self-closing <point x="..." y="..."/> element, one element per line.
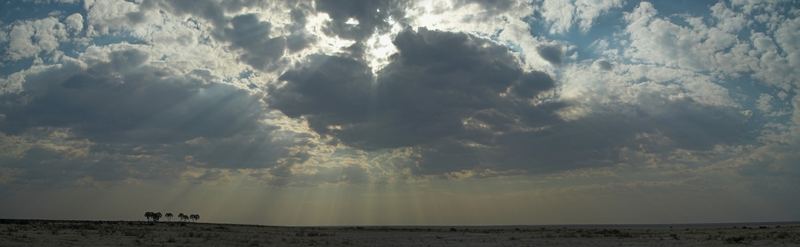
<point x="155" y="216"/>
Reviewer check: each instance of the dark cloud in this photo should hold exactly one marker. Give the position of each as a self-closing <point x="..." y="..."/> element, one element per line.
<point x="299" y="38"/>
<point x="128" y="108"/>
<point x="326" y="85"/>
<point x="596" y="140"/>
<point x="126" y="101"/>
<point x="465" y="103"/>
<point x="697" y="127"/>
<point x="251" y="35"/>
<point x="551" y="53"/>
<point x="436" y="83"/>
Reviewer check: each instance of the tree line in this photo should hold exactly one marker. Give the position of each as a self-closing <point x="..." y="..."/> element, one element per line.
<point x="156" y="216"/>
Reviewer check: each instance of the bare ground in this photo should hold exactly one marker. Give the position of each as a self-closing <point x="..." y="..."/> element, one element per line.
<point x="132" y="233"/>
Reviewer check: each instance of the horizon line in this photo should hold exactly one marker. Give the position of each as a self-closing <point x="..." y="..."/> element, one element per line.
<point x="789" y="222"/>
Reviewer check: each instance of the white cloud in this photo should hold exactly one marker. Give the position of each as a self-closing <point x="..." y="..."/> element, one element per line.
<point x="74" y="23"/>
<point x="635" y="84"/>
<point x="109" y="15"/>
<point x="589" y="10"/>
<point x="656" y="40"/>
<point x="562" y="15"/>
<point x="29" y="38"/>
<point x="716" y="47"/>
<point x="559" y="14"/>
<point x="728" y="20"/>
<point x="788" y="37"/>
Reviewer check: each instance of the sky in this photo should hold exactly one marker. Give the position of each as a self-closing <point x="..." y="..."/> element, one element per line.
<point x="384" y="112"/>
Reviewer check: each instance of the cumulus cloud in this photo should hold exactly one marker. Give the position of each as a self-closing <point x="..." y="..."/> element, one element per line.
<point x="107" y="17"/>
<point x="74" y="22"/>
<point x="29" y="38"/>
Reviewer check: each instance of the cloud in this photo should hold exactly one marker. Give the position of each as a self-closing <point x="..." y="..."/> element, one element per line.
<point x="732" y="44"/>
<point x="662" y="109"/>
<point x="107" y="102"/>
<point x="252" y="36"/>
<point x="464" y="103"/>
<point x="491" y="6"/>
<point x="107" y="17"/>
<point x="290" y="90"/>
<point x="258" y="42"/>
<point x="29" y="38"/>
<point x="370" y="15"/>
<point x="74" y="23"/>
<point x="551" y="53"/>
<point x="442" y="91"/>
<point x="603" y="64"/>
<point x="729" y="45"/>
<point x="563" y="15"/>
<point x="658" y="40"/>
<point x="134" y="111"/>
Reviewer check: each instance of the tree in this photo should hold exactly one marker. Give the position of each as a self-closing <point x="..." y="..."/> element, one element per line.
<point x="156" y="216"/>
<point x="151" y="216"/>
<point x="168" y="216"/>
<point x="183" y="217"/>
<point x="195" y="217"/>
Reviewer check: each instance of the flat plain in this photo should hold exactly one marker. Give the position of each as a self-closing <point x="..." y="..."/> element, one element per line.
<point x="135" y="233"/>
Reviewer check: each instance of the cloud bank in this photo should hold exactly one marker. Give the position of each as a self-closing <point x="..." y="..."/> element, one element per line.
<point x="323" y="92"/>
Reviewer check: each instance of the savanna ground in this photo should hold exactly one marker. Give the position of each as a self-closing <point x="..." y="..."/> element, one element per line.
<point x="132" y="233"/>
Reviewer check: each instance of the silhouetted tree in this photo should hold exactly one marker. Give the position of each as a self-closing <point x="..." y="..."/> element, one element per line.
<point x="151" y="216"/>
<point x="194" y="217"/>
<point x="168" y="216"/>
<point x="156" y="216"/>
<point x="183" y="217"/>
